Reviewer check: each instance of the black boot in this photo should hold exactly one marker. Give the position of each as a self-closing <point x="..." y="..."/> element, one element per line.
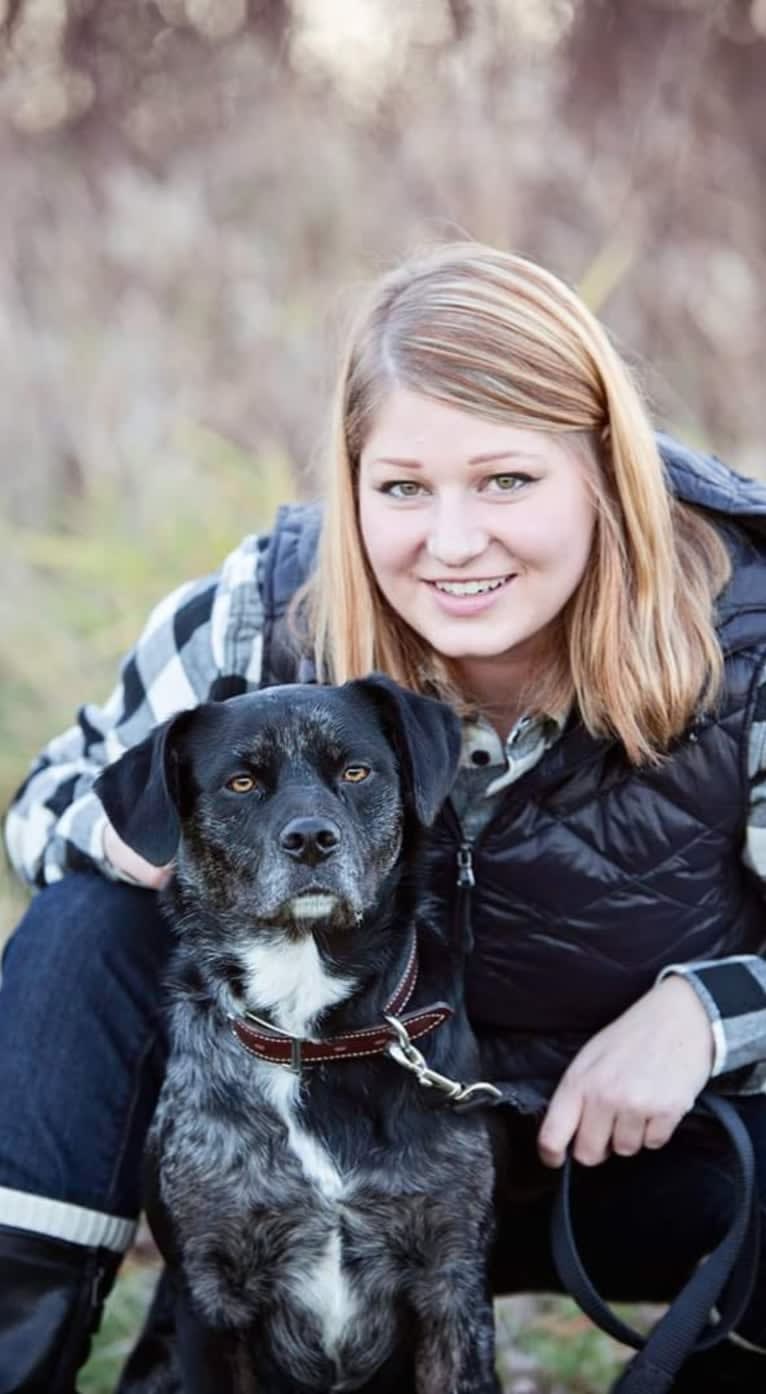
<point x="51" y="1295"/>
<point x="726" y="1369"/>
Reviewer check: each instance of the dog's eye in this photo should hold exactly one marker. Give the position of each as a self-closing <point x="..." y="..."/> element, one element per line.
<point x="354" y="774"/>
<point x="241" y="784"/>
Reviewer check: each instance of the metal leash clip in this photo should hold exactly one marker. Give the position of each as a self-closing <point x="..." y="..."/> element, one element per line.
<point x="409" y="1057"/>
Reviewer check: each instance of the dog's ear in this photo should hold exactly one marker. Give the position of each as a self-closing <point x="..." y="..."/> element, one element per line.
<point x="428" y="739"/>
<point x="140" y="794"/>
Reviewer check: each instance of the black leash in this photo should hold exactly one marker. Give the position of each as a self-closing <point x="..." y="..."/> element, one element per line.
<point x="724" y="1281"/>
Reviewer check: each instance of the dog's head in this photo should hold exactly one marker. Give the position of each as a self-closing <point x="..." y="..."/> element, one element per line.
<point x="286" y="807"/>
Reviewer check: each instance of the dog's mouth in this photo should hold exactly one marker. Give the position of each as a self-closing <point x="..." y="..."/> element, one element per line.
<point x="316" y="908"/>
<point x="312" y="905"/>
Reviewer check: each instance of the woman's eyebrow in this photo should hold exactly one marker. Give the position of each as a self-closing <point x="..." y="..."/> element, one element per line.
<point x="403" y="463"/>
<point x="502" y="455"/>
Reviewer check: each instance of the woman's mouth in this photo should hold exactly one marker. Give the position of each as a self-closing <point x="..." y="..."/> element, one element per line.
<point x="469" y="596"/>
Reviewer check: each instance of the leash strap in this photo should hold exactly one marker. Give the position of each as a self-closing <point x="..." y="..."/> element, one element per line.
<point x="725" y="1280"/>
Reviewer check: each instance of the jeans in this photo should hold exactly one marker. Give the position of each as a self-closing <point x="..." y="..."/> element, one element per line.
<point x="82" y="1051"/>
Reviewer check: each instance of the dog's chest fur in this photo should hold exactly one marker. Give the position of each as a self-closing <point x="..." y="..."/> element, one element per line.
<point x="291" y="982"/>
<point x="275" y="1204"/>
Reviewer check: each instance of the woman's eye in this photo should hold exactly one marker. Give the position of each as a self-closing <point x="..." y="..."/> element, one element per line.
<point x="509" y="483"/>
<point x="354" y="774"/>
<point x="402" y="489"/>
<point x="241" y="784"/>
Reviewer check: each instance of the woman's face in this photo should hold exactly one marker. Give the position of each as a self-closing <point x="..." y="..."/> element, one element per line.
<point x="478" y="533"/>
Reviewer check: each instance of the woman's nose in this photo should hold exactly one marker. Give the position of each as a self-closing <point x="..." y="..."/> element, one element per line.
<point x="455" y="539"/>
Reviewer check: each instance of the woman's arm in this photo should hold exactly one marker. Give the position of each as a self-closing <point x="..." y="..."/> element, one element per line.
<point x="202" y="631"/>
<point x="733" y="990"/>
<point x="631" y="1085"/>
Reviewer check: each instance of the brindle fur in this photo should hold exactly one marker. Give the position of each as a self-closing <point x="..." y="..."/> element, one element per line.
<point x="405" y="1201"/>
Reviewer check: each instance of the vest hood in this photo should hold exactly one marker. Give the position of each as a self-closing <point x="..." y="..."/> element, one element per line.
<point x="738" y="506"/>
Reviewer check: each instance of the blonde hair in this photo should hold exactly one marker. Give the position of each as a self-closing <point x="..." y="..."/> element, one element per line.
<point x="496" y="335"/>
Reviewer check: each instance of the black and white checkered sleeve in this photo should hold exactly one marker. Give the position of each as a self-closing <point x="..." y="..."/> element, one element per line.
<point x="733" y="990"/>
<point x="204" y="631"/>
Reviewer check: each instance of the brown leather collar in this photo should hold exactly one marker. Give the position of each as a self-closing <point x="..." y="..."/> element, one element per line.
<point x="269" y="1043"/>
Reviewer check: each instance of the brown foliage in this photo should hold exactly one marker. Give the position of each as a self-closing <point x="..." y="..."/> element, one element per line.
<point x="190" y="187"/>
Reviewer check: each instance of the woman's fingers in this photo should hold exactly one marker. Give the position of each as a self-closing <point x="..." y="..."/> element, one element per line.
<point x="660" y="1128"/>
<point x="629" y="1133"/>
<point x="560" y="1124"/>
<point x="577" y="1119"/>
<point x="593" y="1141"/>
<point x="597" y="1129"/>
<point x="130" y="864"/>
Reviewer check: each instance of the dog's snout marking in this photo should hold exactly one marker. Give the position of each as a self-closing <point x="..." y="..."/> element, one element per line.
<point x="310" y="840"/>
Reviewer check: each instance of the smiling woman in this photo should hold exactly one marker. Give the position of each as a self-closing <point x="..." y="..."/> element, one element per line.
<point x="503" y="529"/>
<point x="450" y="539"/>
<point x="469" y="358"/>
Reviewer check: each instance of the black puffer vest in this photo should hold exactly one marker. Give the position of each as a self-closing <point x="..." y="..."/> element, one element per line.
<point x="592" y="875"/>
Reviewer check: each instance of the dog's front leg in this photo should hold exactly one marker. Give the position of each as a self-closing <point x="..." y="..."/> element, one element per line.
<point x="455" y="1343"/>
<point x="215" y="1362"/>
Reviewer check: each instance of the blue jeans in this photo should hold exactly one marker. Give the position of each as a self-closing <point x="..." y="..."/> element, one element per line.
<point x="82" y="1051"/>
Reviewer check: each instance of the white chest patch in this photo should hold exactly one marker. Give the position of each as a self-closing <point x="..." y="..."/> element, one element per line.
<point x="290" y="982"/>
<point x="324" y="1290"/>
<point x="281" y="1088"/>
<point x="288" y="979"/>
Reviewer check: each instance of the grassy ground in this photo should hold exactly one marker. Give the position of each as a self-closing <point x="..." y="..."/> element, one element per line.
<point x="545" y="1345"/>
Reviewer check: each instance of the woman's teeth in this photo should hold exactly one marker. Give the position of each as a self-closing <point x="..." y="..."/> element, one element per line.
<point x="470" y="587"/>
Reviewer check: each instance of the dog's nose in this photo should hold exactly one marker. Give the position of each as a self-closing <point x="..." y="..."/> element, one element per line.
<point x="310" y="840"/>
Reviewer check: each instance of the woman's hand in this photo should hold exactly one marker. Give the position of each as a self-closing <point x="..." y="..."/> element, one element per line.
<point x="631" y="1085"/>
<point x="123" y="858"/>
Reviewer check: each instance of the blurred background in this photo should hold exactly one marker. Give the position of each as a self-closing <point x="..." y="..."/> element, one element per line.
<point x="192" y="193"/>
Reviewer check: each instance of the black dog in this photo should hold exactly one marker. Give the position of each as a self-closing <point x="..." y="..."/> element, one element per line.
<point x="326" y="1218"/>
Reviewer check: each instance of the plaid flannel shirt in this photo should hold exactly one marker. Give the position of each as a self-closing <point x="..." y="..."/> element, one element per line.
<point x="211" y="627"/>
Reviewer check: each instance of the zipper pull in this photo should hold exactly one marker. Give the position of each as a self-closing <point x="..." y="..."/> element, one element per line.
<point x="465" y="876"/>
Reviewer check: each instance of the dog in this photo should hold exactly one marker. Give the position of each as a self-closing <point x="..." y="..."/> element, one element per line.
<point x="326" y="1219"/>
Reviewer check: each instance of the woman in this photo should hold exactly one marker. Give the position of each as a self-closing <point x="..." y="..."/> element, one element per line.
<point x="499" y="530"/>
